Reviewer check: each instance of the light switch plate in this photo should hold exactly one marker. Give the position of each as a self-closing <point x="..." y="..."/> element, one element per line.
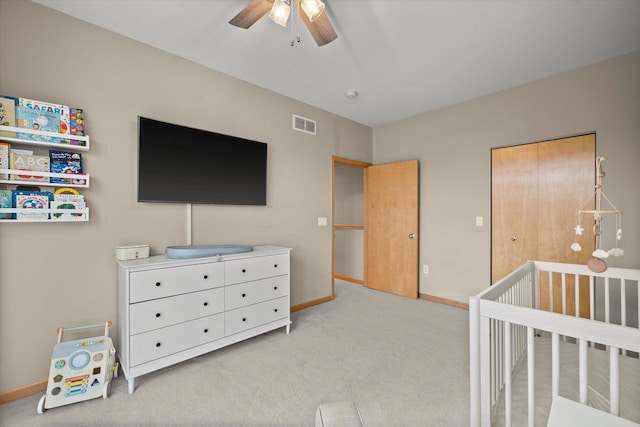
<point x="322" y="221"/>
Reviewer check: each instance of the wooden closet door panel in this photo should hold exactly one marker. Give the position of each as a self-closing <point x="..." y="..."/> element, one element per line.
<point x="566" y="178"/>
<point x="514" y="208"/>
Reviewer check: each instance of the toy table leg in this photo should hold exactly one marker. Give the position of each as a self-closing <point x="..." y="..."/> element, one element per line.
<point x="132" y="383"/>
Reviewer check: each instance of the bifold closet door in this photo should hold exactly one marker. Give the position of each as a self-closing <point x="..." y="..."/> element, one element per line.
<point x="566" y="178"/>
<point x="514" y="208"/>
<point x="535" y="191"/>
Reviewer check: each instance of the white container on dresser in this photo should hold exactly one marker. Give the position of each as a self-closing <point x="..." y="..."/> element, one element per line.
<point x="171" y="310"/>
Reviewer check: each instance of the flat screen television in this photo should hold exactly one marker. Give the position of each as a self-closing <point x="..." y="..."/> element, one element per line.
<point x="178" y="164"/>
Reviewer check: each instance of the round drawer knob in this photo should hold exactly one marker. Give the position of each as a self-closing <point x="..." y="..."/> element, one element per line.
<point x="276" y="310"/>
<point x="157" y="314"/>
<point x="157" y="283"/>
<point x="206" y="330"/>
<point x="244" y="270"/>
<point x="275" y="288"/>
<point x="275" y="265"/>
<point x="206" y="276"/>
<point x="158" y="344"/>
<point x="206" y="303"/>
<point x="244" y="295"/>
<point x="244" y="319"/>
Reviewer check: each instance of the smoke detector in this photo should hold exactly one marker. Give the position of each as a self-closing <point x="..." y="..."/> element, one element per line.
<point x="351" y="94"/>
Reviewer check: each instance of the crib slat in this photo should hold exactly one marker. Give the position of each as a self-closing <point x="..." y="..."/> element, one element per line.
<point x="507" y="374"/>
<point x="551" y="291"/>
<point x="555" y="364"/>
<point x="623" y="302"/>
<point x="531" y="385"/>
<point x="623" y="306"/>
<point x="592" y="299"/>
<point x="475" y="388"/>
<point x="564" y="293"/>
<point x="607" y="308"/>
<point x="582" y="366"/>
<point x="614" y="381"/>
<point x="576" y="287"/>
<point x="592" y="311"/>
<point x="487" y="335"/>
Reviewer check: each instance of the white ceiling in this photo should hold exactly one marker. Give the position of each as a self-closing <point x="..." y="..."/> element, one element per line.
<point x="404" y="57"/>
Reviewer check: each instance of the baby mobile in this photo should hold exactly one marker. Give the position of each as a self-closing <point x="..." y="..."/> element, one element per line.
<point x="597" y="264"/>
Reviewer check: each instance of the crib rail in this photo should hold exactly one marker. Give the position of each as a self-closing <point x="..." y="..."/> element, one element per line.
<point x="505" y="318"/>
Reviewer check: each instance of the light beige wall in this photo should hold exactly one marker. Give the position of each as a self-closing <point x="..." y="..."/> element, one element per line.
<point x="55" y="275"/>
<point x="453" y="146"/>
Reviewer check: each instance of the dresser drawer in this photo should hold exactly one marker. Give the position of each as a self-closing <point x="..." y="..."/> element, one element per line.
<point x="155" y="314"/>
<point x="255" y="315"/>
<point x="173" y="339"/>
<point x="164" y="282"/>
<point x="244" y="270"/>
<point x="248" y="293"/>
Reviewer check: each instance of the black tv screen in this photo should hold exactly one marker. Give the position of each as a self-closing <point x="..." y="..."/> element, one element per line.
<point x="178" y="164"/>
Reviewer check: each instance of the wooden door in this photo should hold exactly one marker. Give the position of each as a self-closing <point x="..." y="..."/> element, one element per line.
<point x="566" y="178"/>
<point x="391" y="228"/>
<point x="535" y="191"/>
<point x="514" y="208"/>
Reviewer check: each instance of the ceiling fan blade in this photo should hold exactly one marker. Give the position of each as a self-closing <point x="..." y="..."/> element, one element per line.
<point x="321" y="29"/>
<point x="250" y="14"/>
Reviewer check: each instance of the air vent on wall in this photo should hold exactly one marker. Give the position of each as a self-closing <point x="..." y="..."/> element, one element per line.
<point x="304" y="125"/>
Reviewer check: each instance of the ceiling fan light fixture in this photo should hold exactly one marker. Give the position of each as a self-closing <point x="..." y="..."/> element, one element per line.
<point x="312" y="8"/>
<point x="280" y="12"/>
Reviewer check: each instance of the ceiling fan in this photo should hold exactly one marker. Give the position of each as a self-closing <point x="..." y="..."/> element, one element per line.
<point x="311" y="12"/>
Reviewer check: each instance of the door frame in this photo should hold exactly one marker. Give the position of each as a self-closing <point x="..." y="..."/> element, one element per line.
<point x="354" y="163"/>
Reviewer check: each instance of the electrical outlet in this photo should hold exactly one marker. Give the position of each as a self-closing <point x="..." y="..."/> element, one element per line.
<point x="478" y="221"/>
<point x="322" y="221"/>
<point x="425" y="269"/>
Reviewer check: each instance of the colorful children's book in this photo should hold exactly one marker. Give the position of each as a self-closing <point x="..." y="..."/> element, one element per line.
<point x="61" y="110"/>
<point x="77" y="125"/>
<point x="67" y="163"/>
<point x="28" y="162"/>
<point x="6" y="201"/>
<point x="4" y="158"/>
<point x="32" y="200"/>
<point x="37" y="120"/>
<point x="7" y="116"/>
<point x="66" y="205"/>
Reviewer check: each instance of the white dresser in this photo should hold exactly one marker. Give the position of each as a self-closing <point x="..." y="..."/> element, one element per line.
<point x="171" y="310"/>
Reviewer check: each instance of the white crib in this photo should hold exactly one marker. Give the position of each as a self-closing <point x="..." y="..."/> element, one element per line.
<point x="516" y="346"/>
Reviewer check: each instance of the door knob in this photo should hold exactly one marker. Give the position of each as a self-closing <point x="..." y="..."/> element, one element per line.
<point x="412" y="236"/>
<point x="514" y="238"/>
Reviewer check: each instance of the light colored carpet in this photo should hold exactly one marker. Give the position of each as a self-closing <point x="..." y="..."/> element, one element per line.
<point x="405" y="362"/>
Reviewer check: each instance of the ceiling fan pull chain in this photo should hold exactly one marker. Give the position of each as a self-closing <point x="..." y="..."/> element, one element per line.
<point x="293" y="27"/>
<point x="292" y="24"/>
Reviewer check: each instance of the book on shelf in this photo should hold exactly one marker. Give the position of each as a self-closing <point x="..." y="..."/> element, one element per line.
<point x="4" y="158"/>
<point x="70" y="204"/>
<point x="28" y="162"/>
<point x="67" y="163"/>
<point x="37" y="120"/>
<point x="62" y="111"/>
<point x="31" y="202"/>
<point x="76" y="125"/>
<point x="7" y="116"/>
<point x="6" y="201"/>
